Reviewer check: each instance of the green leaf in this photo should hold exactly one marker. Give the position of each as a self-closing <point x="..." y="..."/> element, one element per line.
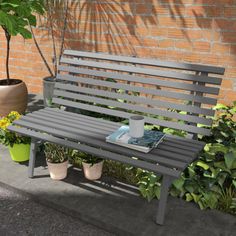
<point x="189" y="197"/>
<point x="178" y="183"/>
<point x="220" y="107"/>
<point x="230" y="160"/>
<point x="203" y="165"/>
<point x="25" y="33"/>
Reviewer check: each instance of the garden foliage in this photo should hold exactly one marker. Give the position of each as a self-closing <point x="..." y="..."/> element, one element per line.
<point x="8" y="138"/>
<point x="210" y="181"/>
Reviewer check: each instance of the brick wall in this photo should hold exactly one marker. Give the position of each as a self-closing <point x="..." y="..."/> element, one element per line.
<point x="198" y="31"/>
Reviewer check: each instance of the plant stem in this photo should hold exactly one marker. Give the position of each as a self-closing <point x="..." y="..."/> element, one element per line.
<point x="8" y="38"/>
<point x="41" y="53"/>
<point x="64" y="30"/>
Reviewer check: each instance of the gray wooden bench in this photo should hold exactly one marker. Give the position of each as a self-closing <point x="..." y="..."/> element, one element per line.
<point x="120" y="86"/>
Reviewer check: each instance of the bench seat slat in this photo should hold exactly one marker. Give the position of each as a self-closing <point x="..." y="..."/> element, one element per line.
<point x="137" y="108"/>
<point x="70" y="133"/>
<point x="144" y="61"/>
<point x="157" y="92"/>
<point x="164" y="123"/>
<point x="75" y="116"/>
<point x="136" y="99"/>
<point x="80" y="125"/>
<point x="98" y="152"/>
<point x="139" y="70"/>
<point x="142" y="80"/>
<point x="85" y="130"/>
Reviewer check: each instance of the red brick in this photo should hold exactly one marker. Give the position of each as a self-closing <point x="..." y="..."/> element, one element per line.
<point x="202" y="46"/>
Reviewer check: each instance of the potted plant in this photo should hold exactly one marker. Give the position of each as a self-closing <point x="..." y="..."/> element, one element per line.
<point x="15" y="16"/>
<point x="92" y="166"/>
<point x="19" y="146"/>
<point x="57" y="160"/>
<point x="55" y="20"/>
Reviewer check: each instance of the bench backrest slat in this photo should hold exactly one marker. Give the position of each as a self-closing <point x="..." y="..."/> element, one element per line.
<point x="122" y="86"/>
<point x="150" y="62"/>
<point x="139" y="79"/>
<point x="140" y="70"/>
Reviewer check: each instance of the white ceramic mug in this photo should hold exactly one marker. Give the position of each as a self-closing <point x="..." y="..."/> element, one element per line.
<point x="136" y="126"/>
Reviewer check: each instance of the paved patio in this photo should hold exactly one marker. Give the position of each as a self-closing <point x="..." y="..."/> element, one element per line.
<point x="109" y="204"/>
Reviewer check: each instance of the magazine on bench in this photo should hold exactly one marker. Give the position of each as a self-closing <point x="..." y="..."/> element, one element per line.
<point x="145" y="144"/>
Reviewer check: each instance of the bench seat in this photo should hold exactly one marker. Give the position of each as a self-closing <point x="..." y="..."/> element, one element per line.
<point x="171" y="157"/>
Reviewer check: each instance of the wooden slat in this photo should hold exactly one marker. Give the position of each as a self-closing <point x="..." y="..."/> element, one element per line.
<point x="157" y="92"/>
<point x="136" y="99"/>
<point x="144" y="61"/>
<point x="75" y="116"/>
<point x="92" y="137"/>
<point x="163" y="123"/>
<point x="139" y="70"/>
<point x="52" y="116"/>
<point x="137" y="108"/>
<point x="95" y="151"/>
<point x="139" y="79"/>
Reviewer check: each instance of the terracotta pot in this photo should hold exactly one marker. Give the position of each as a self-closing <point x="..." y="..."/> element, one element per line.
<point x="13" y="97"/>
<point x="58" y="171"/>
<point x="92" y="172"/>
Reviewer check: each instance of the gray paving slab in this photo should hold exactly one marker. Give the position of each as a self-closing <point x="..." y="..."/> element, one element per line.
<point x="20" y="215"/>
<point x="109" y="204"/>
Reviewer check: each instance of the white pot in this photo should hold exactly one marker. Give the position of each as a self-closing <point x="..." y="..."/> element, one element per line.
<point x="58" y="171"/>
<point x="92" y="172"/>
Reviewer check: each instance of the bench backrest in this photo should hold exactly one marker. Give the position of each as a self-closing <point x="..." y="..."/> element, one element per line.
<point x="121" y="86"/>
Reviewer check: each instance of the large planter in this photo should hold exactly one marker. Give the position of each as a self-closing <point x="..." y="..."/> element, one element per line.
<point x="20" y="152"/>
<point x="13" y="97"/>
<point x="58" y="171"/>
<point x="93" y="172"/>
<point x="48" y="87"/>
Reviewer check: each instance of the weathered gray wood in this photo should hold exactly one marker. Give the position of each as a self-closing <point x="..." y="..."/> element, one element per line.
<point x="139" y="79"/>
<point x="136" y="99"/>
<point x="162" y="93"/>
<point x="33" y="150"/>
<point x="137" y="108"/>
<point x="122" y="114"/>
<point x="166" y="182"/>
<point x="87" y="135"/>
<point x="98" y="152"/>
<point x="140" y="70"/>
<point x="149" y="62"/>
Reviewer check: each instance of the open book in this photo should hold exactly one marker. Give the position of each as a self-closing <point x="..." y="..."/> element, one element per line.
<point x="145" y="144"/>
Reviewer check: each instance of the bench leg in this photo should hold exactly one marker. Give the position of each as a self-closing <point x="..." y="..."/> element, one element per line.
<point x="166" y="182"/>
<point x="33" y="149"/>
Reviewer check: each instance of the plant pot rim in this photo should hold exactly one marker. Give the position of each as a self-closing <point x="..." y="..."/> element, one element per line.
<point x="56" y="162"/>
<point x="51" y="79"/>
<point x="93" y="163"/>
<point x="18" y="82"/>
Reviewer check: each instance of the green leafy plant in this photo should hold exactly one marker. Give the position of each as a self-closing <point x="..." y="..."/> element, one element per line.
<point x="211" y="180"/>
<point x="79" y="157"/>
<point x="7" y="137"/>
<point x="55" y="153"/>
<point x="15" y="17"/>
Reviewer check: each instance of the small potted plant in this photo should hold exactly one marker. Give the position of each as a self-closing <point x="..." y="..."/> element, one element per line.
<point x="92" y="166"/>
<point x="57" y="160"/>
<point x="19" y="146"/>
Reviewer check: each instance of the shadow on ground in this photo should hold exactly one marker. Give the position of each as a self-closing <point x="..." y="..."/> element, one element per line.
<point x="110" y="204"/>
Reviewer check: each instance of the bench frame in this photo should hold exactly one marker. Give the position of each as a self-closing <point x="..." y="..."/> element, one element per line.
<point x="77" y="63"/>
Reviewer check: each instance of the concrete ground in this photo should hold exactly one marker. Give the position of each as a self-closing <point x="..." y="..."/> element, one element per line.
<point x="106" y="204"/>
<point x="20" y="215"/>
